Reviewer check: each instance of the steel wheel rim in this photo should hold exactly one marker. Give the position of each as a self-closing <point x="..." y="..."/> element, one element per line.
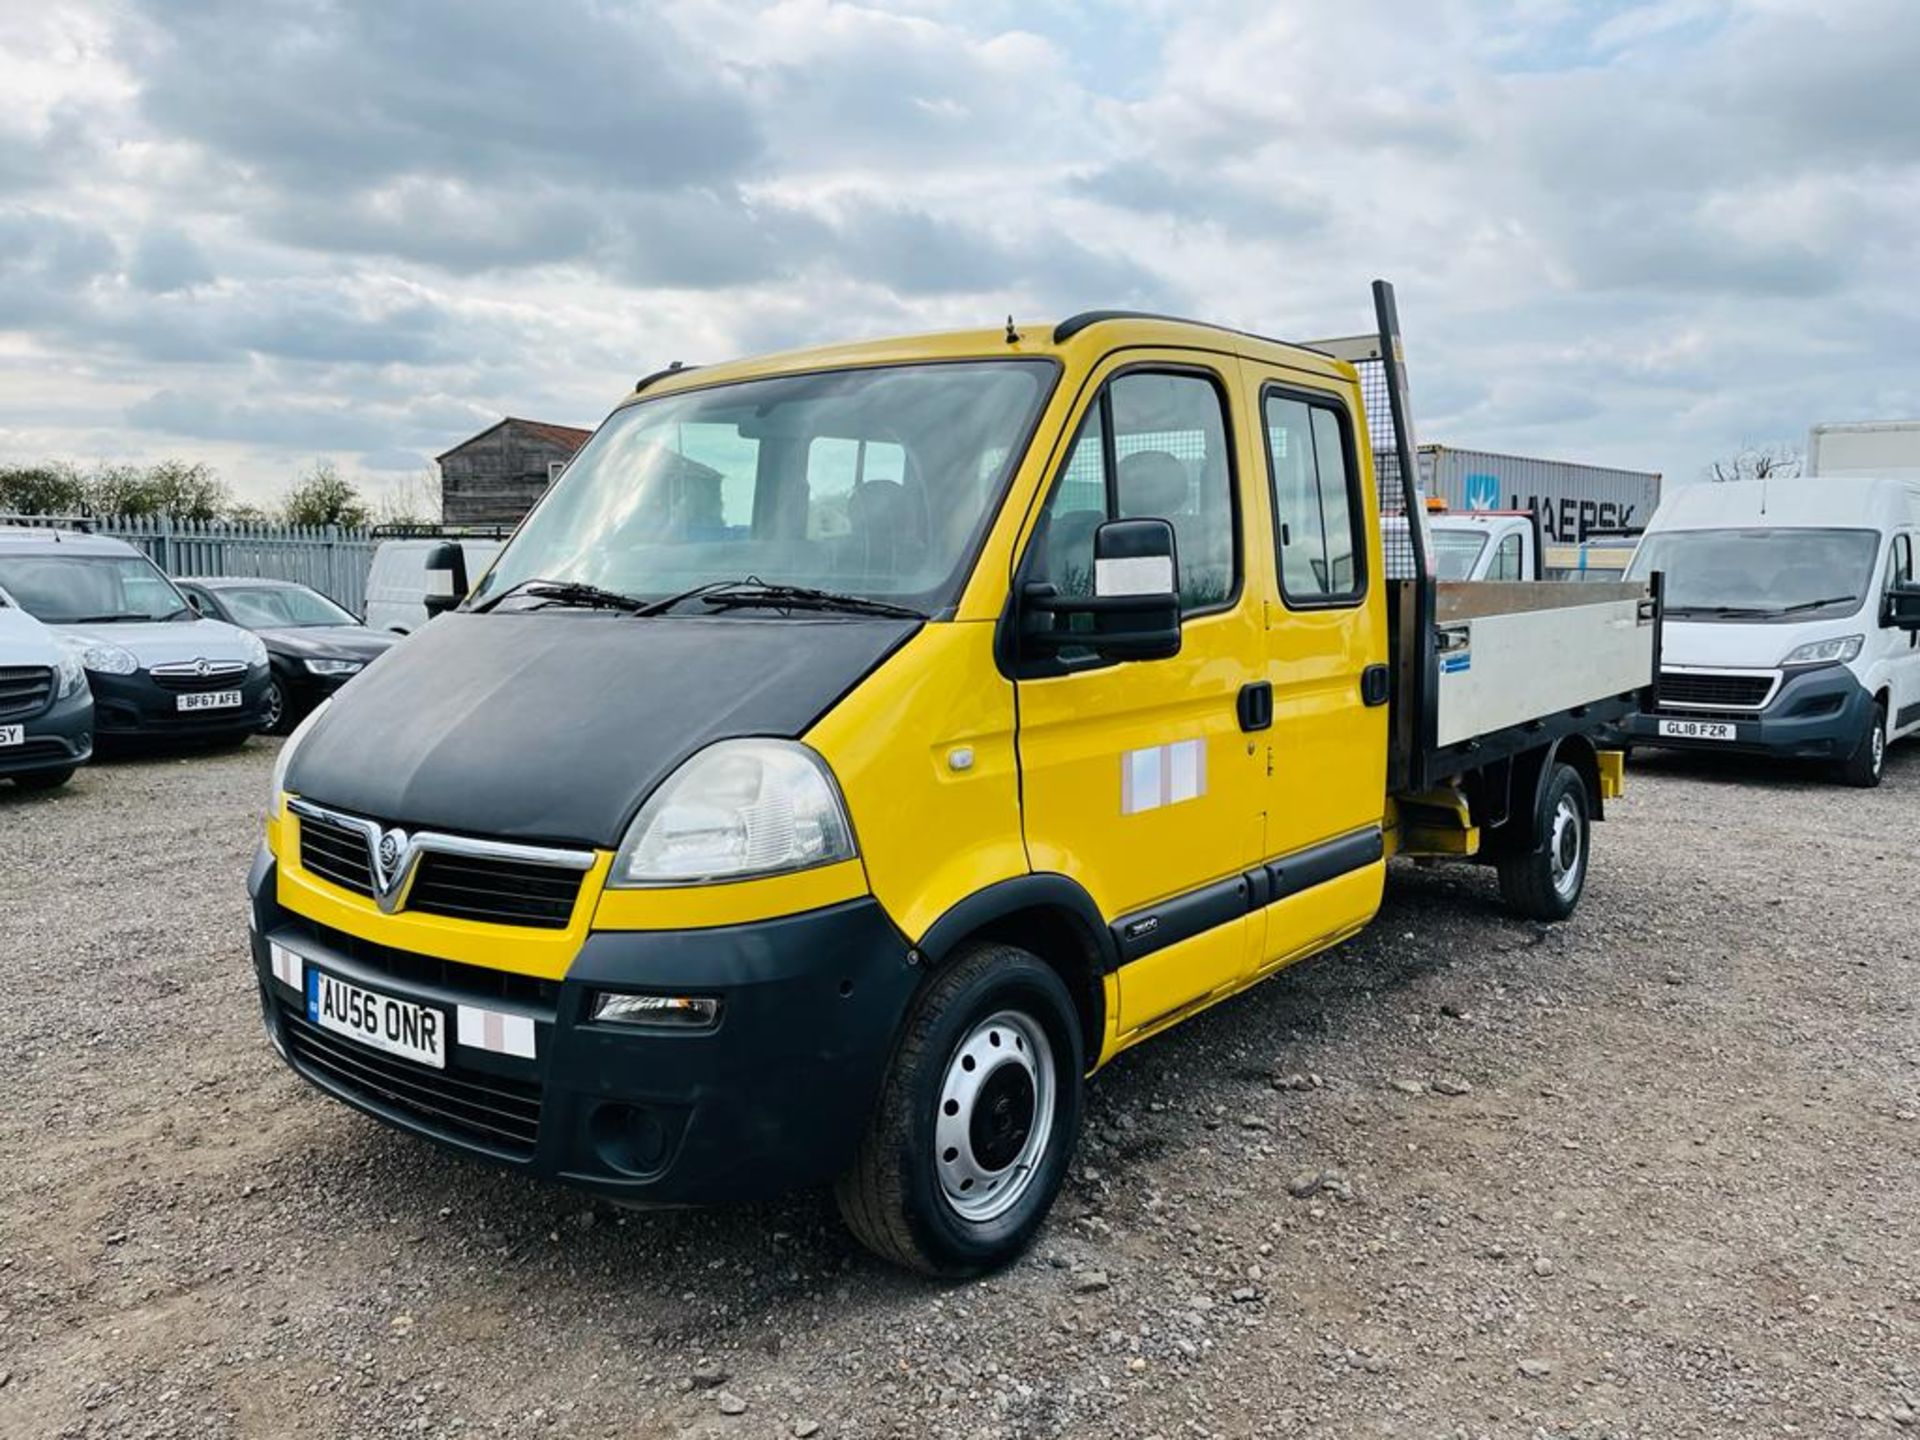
<point x="995" y="1115"/>
<point x="1879" y="743"/>
<point x="1565" y="848"/>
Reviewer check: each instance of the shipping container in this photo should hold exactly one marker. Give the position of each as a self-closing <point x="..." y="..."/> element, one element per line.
<point x="1572" y="501"/>
<point x="1877" y="449"/>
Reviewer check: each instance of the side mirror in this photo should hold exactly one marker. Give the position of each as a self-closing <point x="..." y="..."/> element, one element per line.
<point x="198" y="606"/>
<point x="446" y="577"/>
<point x="1901" y="609"/>
<point x="1135" y="605"/>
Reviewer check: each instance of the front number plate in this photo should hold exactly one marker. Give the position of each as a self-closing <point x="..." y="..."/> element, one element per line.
<point x="212" y="700"/>
<point x="1697" y="729"/>
<point x="399" y="1027"/>
<point x="13" y="735"/>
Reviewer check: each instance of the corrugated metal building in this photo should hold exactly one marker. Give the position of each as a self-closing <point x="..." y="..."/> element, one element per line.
<point x="1571" y="499"/>
<point x="494" y="478"/>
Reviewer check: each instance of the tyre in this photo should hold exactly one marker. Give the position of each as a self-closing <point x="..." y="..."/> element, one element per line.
<point x="1868" y="762"/>
<point x="1544" y="881"/>
<point x="275" y="716"/>
<point x="977" y="1118"/>
<point x="44" y="779"/>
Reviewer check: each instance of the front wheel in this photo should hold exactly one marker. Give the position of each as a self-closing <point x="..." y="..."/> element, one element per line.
<point x="1544" y="881"/>
<point x="1868" y="762"/>
<point x="977" y="1119"/>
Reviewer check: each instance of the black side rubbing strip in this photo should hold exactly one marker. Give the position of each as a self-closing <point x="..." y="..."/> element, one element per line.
<point x="1326" y="861"/>
<point x="1184" y="916"/>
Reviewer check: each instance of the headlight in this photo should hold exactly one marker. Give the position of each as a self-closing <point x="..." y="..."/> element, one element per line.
<point x="254" y="648"/>
<point x="335" y="667"/>
<point x="738" y="808"/>
<point x="73" y="675"/>
<point x="286" y="752"/>
<point x="1826" y="652"/>
<point x="100" y="657"/>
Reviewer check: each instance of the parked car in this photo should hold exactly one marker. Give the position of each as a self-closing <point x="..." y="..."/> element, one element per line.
<point x="157" y="668"/>
<point x="409" y="576"/>
<point x="1786" y="632"/>
<point x="46" y="710"/>
<point x="315" y="646"/>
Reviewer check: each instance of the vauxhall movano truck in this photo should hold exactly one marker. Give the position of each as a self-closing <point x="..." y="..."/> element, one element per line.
<point x="856" y="749"/>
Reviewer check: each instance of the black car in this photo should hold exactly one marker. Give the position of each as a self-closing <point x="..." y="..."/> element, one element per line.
<point x="316" y="647"/>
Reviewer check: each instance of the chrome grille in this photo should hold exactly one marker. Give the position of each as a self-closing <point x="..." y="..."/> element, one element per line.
<point x="24" y="690"/>
<point x="191" y="675"/>
<point x="337" y="853"/>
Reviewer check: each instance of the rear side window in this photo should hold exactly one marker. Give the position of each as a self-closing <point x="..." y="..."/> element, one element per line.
<point x="1316" y="501"/>
<point x="1153" y="445"/>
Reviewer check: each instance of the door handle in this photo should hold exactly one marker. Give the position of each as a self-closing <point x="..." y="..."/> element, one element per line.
<point x="1375" y="685"/>
<point x="1255" y="705"/>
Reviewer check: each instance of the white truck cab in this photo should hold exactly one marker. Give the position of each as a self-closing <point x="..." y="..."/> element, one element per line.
<point x="1783" y="636"/>
<point x="1478" y="544"/>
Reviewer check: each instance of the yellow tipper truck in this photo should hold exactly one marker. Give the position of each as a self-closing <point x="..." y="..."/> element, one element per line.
<point x="856" y="749"/>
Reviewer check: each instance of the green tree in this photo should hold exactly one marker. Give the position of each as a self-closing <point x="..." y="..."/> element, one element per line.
<point x="186" y="492"/>
<point x="52" y="489"/>
<point x="323" y="496"/>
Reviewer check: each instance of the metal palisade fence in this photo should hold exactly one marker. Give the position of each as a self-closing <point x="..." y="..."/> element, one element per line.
<point x="332" y="560"/>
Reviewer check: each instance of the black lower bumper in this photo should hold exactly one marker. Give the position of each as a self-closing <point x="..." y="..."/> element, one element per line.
<point x="774" y="1096"/>
<point x="139" y="706"/>
<point x="1815" y="715"/>
<point x="58" y="738"/>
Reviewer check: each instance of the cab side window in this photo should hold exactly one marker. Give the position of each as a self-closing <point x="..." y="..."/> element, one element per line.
<point x="1506" y="560"/>
<point x="1316" y="491"/>
<point x="1153" y="445"/>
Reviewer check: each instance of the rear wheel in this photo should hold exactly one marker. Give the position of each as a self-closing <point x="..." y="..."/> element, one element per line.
<point x="1869" y="759"/>
<point x="1545" y="880"/>
<point x="977" y="1119"/>
<point x="44" y="779"/>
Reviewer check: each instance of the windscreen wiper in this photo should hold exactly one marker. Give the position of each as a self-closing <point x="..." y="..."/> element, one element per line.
<point x="759" y="595"/>
<point x="108" y="619"/>
<point x="1813" y="604"/>
<point x="1720" y="610"/>
<point x="567" y="592"/>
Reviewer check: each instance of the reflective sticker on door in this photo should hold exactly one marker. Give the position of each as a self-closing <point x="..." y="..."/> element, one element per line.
<point x="1162" y="775"/>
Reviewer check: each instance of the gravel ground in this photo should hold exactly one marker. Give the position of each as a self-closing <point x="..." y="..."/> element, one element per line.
<point x="1651" y="1173"/>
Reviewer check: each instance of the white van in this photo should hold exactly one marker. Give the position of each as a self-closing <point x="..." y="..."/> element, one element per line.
<point x="401" y="580"/>
<point x="1476" y="544"/>
<point x="1787" y="620"/>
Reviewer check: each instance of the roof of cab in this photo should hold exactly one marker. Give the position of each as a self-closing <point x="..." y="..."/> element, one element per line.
<point x="67" y="542"/>
<point x="1814" y="501"/>
<point x="1082" y="338"/>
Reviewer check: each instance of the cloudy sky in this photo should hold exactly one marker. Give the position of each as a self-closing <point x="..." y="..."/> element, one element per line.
<point x="258" y="232"/>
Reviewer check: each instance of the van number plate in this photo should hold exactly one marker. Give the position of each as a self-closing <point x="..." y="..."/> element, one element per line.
<point x="1697" y="729"/>
<point x="399" y="1027"/>
<point x="13" y="735"/>
<point x="212" y="700"/>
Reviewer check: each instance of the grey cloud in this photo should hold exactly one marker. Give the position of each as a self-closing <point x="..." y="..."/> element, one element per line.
<point x="166" y="260"/>
<point x="329" y="426"/>
<point x="1198" y="195"/>
<point x="348" y="96"/>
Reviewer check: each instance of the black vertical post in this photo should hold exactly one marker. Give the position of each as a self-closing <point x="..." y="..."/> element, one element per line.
<point x="1425" y="674"/>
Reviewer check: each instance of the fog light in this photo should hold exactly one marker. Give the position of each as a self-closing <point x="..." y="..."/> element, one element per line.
<point x="681" y="1012"/>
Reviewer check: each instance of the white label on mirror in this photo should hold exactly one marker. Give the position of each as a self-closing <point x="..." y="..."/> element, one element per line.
<point x="439" y="582"/>
<point x="1134" y="575"/>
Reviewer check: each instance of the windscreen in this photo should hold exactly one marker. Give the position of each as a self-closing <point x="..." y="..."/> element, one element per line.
<point x="268" y="607"/>
<point x="1759" y="574"/>
<point x="63" y="589"/>
<point x="874" y="482"/>
<point x="1455" y="552"/>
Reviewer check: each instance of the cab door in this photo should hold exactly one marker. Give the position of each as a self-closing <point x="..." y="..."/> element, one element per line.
<point x="1326" y="656"/>
<point x="1137" y="778"/>
<point x="1902" y="649"/>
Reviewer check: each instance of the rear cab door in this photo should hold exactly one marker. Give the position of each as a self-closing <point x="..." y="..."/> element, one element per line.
<point x="1325" y="655"/>
<point x="1137" y="778"/>
<point x="1902" y="649"/>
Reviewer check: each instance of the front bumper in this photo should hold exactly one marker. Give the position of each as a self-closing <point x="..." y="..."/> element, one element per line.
<point x="1816" y="714"/>
<point x="127" y="706"/>
<point x="774" y="1096"/>
<point x="58" y="738"/>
